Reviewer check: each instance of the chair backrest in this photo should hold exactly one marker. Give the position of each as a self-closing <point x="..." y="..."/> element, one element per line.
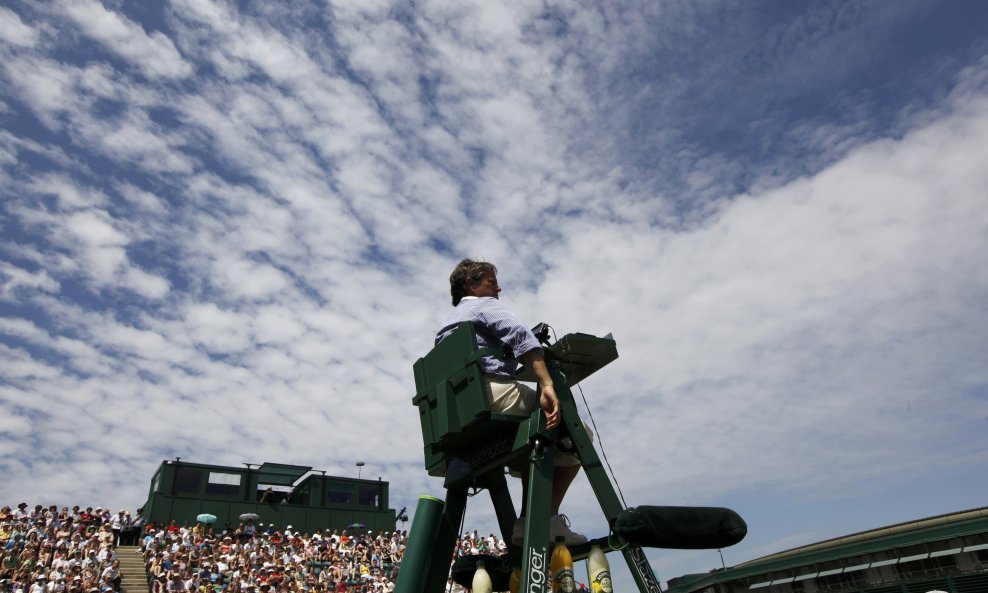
<point x="451" y="396"/>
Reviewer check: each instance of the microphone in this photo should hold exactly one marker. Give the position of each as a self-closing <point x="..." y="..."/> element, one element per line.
<point x="680" y="528"/>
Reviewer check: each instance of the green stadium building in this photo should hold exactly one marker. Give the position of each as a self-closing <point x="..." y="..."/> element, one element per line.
<point x="278" y="494"/>
<point x="947" y="553"/>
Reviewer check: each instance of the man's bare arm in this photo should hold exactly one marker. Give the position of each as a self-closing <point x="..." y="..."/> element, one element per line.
<point x="547" y="399"/>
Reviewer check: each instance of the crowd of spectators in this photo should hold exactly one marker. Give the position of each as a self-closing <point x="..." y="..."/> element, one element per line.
<point x="265" y="559"/>
<point x="474" y="543"/>
<point x="47" y="550"/>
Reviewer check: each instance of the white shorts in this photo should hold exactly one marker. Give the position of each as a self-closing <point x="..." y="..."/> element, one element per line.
<point x="518" y="399"/>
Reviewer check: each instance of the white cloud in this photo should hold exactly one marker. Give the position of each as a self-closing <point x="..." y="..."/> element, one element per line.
<point x="216" y="329"/>
<point x="14" y="31"/>
<point x="70" y="195"/>
<point x="143" y="200"/>
<point x="278" y="325"/>
<point x="145" y="284"/>
<point x="153" y="53"/>
<point x="136" y="139"/>
<point x="250" y="280"/>
<point x="43" y="86"/>
<point x="15" y="278"/>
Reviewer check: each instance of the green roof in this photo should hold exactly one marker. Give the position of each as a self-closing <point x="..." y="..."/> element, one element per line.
<point x="902" y="535"/>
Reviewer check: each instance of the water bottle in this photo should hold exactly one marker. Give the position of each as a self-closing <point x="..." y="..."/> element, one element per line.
<point x="481" y="580"/>
<point x="598" y="571"/>
<point x="515" y="583"/>
<point x="561" y="567"/>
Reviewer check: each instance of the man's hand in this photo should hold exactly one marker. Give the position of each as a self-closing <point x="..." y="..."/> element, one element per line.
<point x="550" y="405"/>
<point x="547" y="400"/>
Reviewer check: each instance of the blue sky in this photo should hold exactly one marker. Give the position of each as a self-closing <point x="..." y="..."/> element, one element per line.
<point x="227" y="229"/>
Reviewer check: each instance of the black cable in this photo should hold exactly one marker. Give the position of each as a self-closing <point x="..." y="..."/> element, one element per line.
<point x="456" y="544"/>
<point x="602" y="452"/>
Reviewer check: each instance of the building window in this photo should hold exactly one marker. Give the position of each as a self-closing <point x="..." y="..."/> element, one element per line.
<point x="188" y="480"/>
<point x="223" y="484"/>
<point x="339" y="493"/>
<point x="272" y="494"/>
<point x="300" y="495"/>
<point x="368" y="494"/>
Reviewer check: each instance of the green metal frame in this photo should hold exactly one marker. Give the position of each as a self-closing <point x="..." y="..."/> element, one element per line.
<point x="470" y="446"/>
<point x="608" y="500"/>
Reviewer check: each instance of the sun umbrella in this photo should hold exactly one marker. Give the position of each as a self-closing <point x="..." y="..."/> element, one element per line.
<point x="206" y="518"/>
<point x="357" y="526"/>
<point x="249" y="517"/>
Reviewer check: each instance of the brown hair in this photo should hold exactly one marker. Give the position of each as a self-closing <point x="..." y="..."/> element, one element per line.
<point x="467" y="270"/>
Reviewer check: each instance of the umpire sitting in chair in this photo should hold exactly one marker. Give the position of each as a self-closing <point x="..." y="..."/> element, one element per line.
<point x="474" y="288"/>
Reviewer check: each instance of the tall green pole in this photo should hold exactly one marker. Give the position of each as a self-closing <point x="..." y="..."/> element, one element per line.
<point x="419" y="549"/>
